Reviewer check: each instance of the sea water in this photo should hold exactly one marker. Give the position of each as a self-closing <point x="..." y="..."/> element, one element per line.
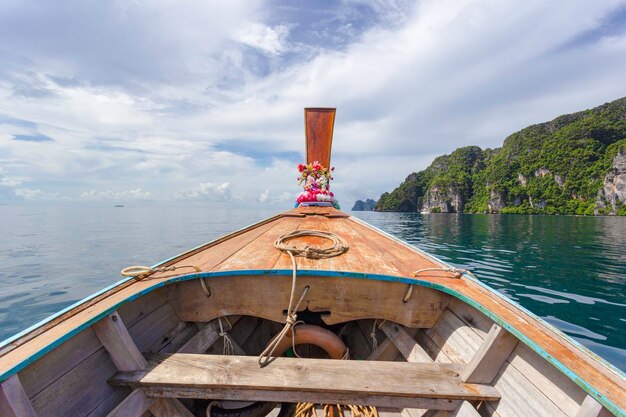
<point x="571" y="271"/>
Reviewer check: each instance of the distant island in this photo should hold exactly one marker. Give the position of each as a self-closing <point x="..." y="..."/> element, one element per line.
<point x="367" y="205"/>
<point x="574" y="164"/>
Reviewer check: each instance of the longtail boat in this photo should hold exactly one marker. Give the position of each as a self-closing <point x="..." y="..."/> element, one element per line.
<point x="310" y="312"/>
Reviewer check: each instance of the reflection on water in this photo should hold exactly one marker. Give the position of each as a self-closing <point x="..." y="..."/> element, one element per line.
<point x="51" y="257"/>
<point x="571" y="271"/>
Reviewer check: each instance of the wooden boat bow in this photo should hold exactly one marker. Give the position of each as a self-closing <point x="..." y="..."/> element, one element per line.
<point x="475" y="344"/>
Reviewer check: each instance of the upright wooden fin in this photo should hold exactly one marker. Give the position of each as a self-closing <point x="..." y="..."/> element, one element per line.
<point x="318" y="126"/>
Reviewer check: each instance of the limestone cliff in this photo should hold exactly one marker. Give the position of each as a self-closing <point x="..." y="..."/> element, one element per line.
<point x="612" y="195"/>
<point x="574" y="164"/>
<point x="367" y="205"/>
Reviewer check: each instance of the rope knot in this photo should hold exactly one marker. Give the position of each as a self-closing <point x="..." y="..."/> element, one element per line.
<point x="338" y="247"/>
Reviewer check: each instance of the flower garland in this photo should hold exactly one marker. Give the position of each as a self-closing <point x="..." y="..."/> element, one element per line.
<point x="316" y="180"/>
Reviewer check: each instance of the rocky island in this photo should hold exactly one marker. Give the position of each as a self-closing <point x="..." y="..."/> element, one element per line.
<point x="367" y="205"/>
<point x="574" y="164"/>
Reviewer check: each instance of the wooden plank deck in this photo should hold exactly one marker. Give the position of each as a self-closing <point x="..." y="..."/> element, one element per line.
<point x="371" y="252"/>
<point x="291" y="379"/>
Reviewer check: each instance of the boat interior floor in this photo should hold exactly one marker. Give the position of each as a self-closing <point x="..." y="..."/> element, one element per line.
<point x="385" y="367"/>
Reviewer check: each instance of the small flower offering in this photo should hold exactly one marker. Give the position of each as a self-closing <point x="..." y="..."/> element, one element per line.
<point x="316" y="179"/>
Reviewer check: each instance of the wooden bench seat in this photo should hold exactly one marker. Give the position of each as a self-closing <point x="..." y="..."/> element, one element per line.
<point x="385" y="384"/>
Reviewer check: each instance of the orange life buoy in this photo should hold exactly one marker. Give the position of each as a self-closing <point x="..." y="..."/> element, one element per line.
<point x="308" y="334"/>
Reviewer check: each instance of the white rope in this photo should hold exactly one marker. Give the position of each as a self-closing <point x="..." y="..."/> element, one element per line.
<point x="458" y="273"/>
<point x="338" y="247"/>
<point x="140" y="270"/>
<point x="229" y="348"/>
<point x="373" y="336"/>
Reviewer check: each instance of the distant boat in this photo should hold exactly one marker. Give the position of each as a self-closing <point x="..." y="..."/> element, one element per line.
<point x="228" y="329"/>
<point x="119" y="205"/>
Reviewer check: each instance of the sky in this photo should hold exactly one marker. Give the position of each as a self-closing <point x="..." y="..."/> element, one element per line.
<point x="127" y="101"/>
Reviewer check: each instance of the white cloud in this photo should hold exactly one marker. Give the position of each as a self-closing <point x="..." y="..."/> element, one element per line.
<point x="31" y="194"/>
<point x="9" y="182"/>
<point x="206" y="191"/>
<point x="196" y="96"/>
<point x="269" y="40"/>
<point x="264" y="196"/>
<point x="136" y="194"/>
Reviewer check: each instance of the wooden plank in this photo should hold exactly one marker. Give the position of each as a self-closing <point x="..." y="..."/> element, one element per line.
<point x="293" y="377"/>
<point x="126" y="356"/>
<point x="359" y="343"/>
<point x="254" y="334"/>
<point x="179" y="340"/>
<point x="87" y="383"/>
<point x="133" y="406"/>
<point x="216" y="252"/>
<point x="205" y="338"/>
<point x="240" y="334"/>
<point x="316" y="398"/>
<point x="406" y="259"/>
<point x="155" y="331"/>
<point x="360" y="299"/>
<point x="520" y="397"/>
<point x="110" y="402"/>
<point x="536" y="375"/>
<point x="491" y="355"/>
<point x="386" y="351"/>
<point x="13" y="399"/>
<point x="119" y="344"/>
<point x="259" y="252"/>
<point x="318" y="125"/>
<point x="466" y="409"/>
<point x="60" y="361"/>
<point x="411" y="351"/>
<point x="591" y="408"/>
<point x="405" y="343"/>
<point x="169" y="407"/>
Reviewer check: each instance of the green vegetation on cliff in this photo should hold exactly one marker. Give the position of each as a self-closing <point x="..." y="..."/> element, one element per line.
<point x="575" y="164"/>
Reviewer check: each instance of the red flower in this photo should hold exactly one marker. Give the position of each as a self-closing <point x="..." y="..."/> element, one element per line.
<point x="301" y="167"/>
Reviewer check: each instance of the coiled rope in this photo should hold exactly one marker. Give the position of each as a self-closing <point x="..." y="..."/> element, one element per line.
<point x="138" y="270"/>
<point x="338" y="247"/>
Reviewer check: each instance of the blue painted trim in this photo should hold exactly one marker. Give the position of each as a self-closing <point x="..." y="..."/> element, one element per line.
<point x="555" y="362"/>
<point x="499" y="295"/>
<point x="318" y="273"/>
<point x="60" y="313"/>
<point x="110" y="287"/>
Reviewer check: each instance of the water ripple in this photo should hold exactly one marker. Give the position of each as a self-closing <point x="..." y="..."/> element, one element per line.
<point x="569" y="270"/>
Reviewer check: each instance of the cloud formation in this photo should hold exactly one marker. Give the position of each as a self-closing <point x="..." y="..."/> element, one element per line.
<point x="151" y="100"/>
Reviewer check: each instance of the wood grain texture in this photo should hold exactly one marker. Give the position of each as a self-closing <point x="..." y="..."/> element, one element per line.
<point x="124" y="353"/>
<point x="592" y="408"/>
<point x="346" y="298"/>
<point x="466" y="409"/>
<point x="115" y="338"/>
<point x="205" y="337"/>
<point x="132" y="406"/>
<point x="397" y="256"/>
<point x="491" y="355"/>
<point x="318" y="127"/>
<point x="303" y="376"/>
<point x="13" y="399"/>
<point x="406" y="344"/>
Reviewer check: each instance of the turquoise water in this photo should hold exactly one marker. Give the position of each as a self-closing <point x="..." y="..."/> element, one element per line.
<point x="571" y="271"/>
